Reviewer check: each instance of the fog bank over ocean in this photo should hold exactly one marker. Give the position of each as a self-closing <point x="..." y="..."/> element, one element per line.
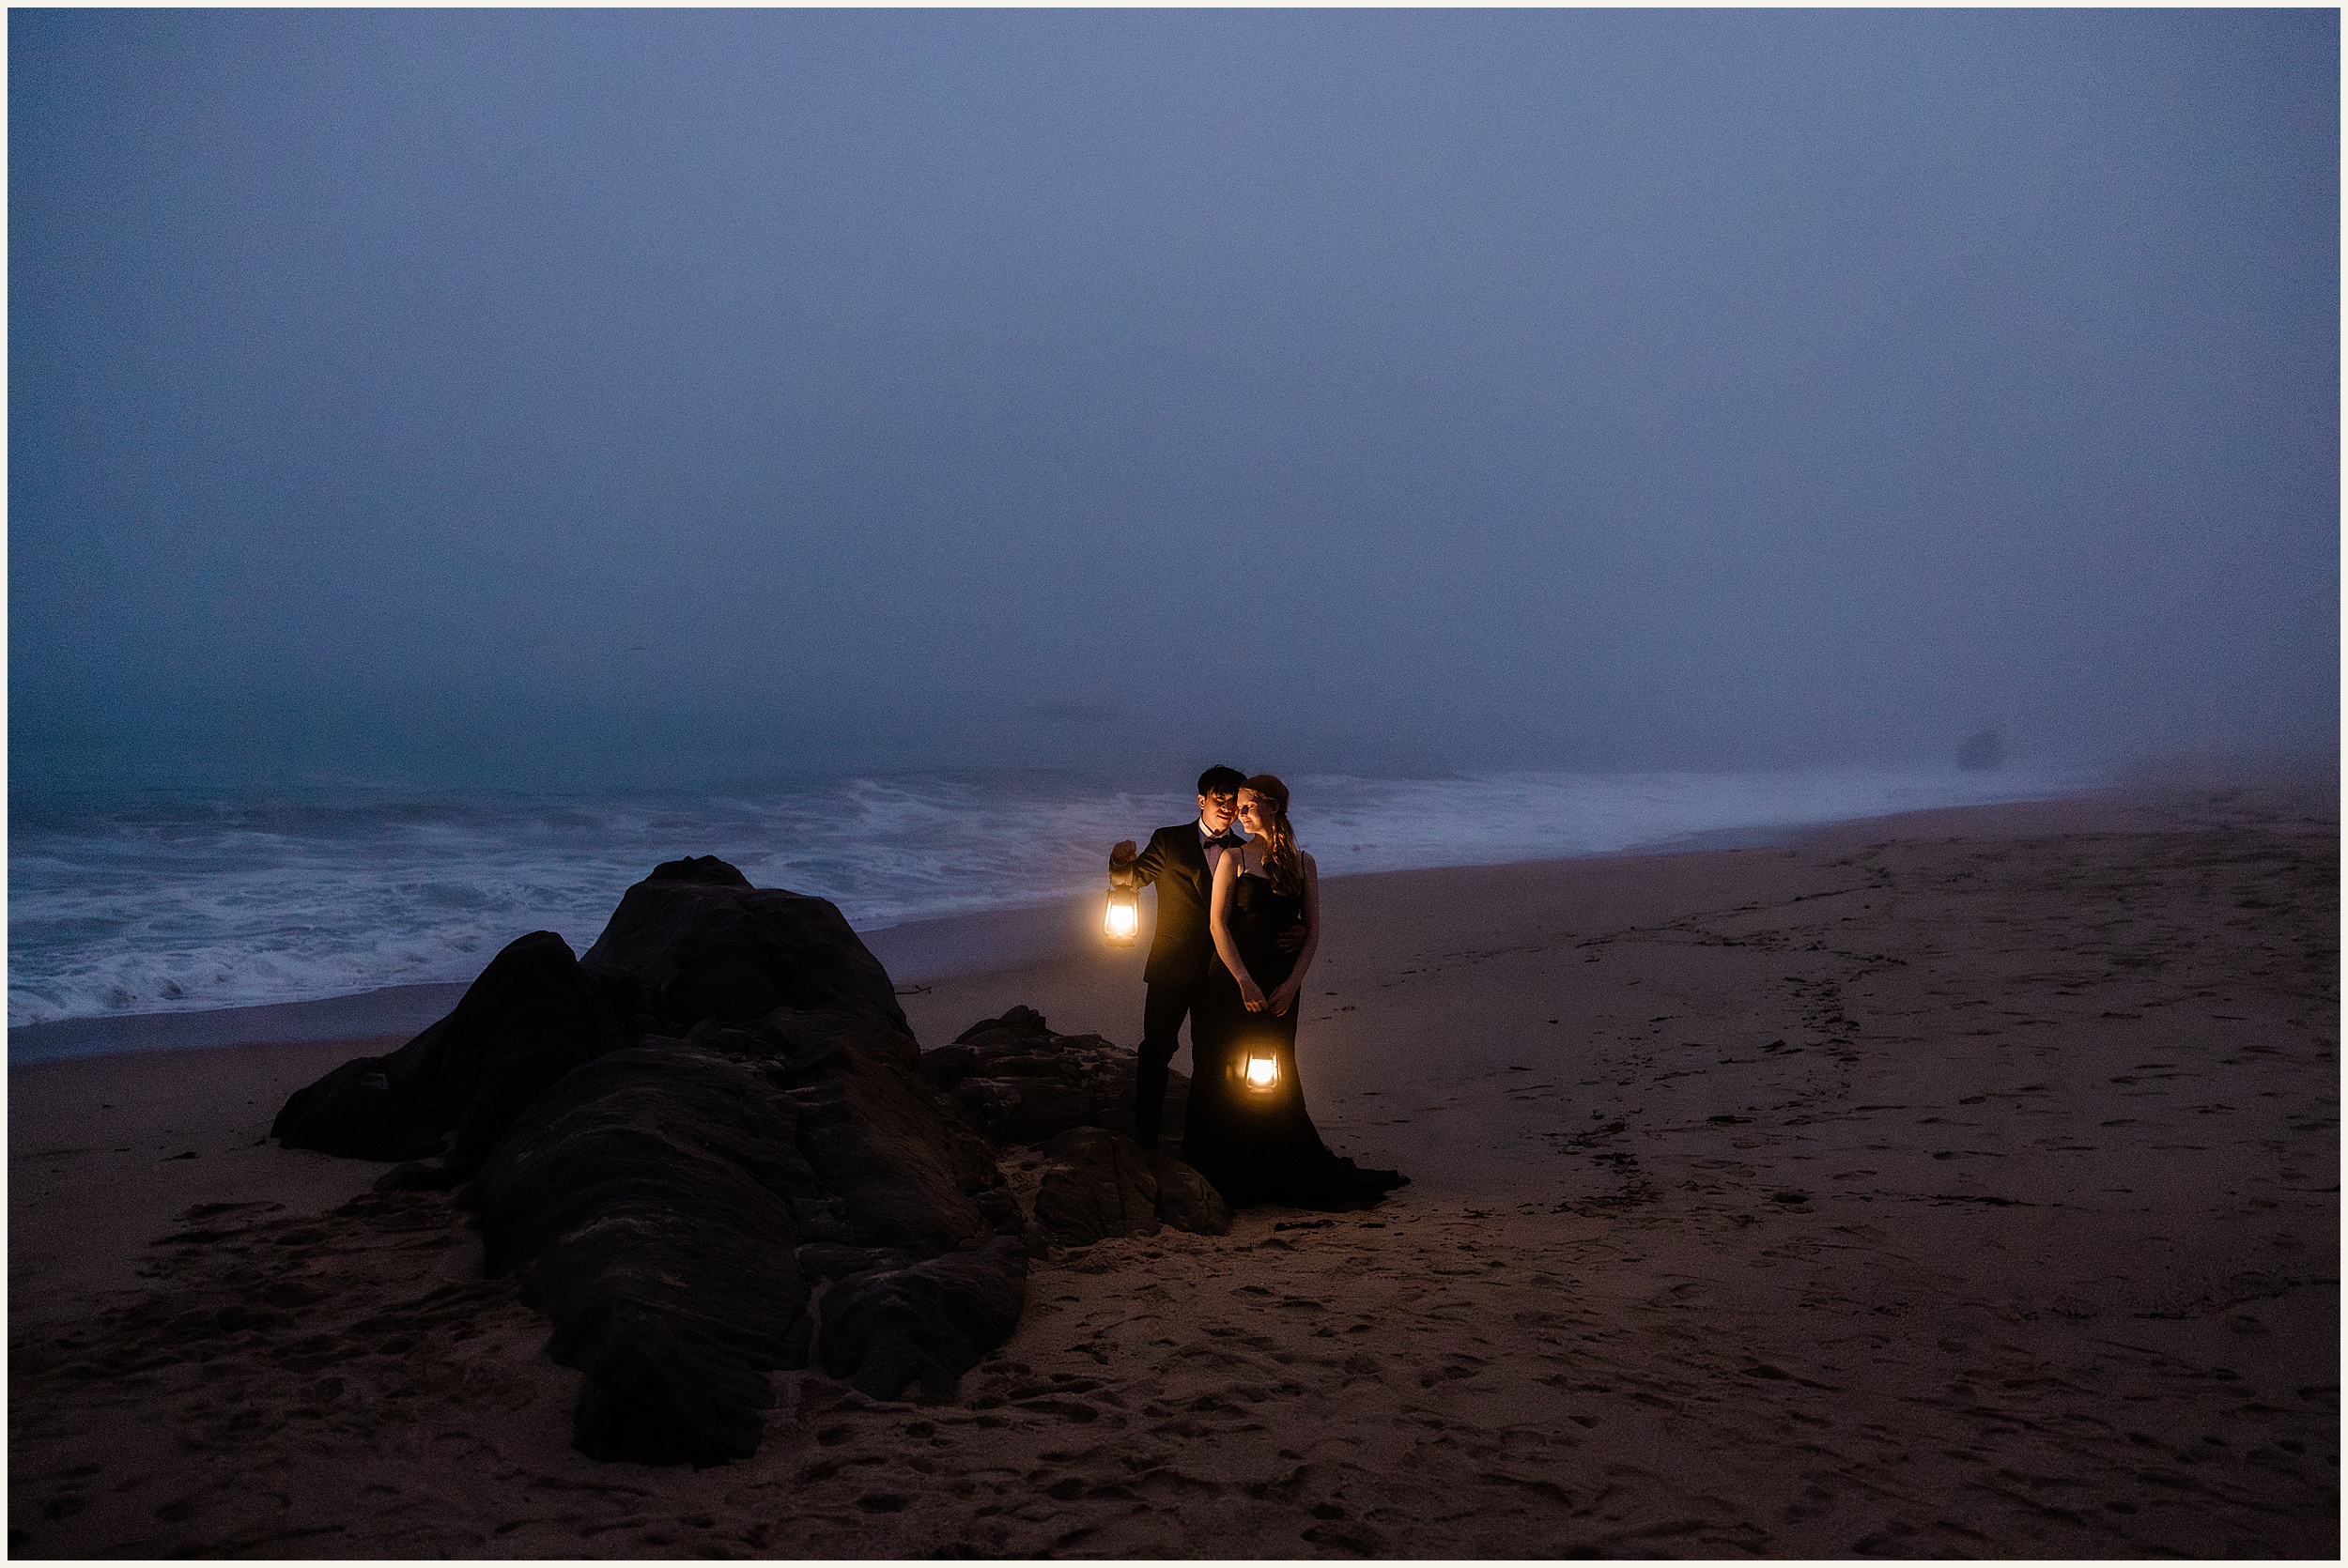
<point x="573" y="399"/>
<point x="444" y="444"/>
<point x="158" y="901"/>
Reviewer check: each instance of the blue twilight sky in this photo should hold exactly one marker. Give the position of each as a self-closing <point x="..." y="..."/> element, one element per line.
<point x="529" y="396"/>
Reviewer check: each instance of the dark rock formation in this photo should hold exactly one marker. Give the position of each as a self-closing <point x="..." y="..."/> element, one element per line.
<point x="1098" y="1184"/>
<point x="895" y="1168"/>
<point x="657" y="1200"/>
<point x="651" y="1201"/>
<point x="704" y="944"/>
<point x="531" y="1017"/>
<point x="1018" y="1083"/>
<point x="355" y="1112"/>
<point x="711" y="1150"/>
<point x="924" y="1324"/>
<point x="1187" y="1200"/>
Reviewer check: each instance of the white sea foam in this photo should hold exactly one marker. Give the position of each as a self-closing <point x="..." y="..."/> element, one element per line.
<point x="161" y="902"/>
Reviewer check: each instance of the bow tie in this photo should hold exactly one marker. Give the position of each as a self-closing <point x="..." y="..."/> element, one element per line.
<point x="1226" y="841"/>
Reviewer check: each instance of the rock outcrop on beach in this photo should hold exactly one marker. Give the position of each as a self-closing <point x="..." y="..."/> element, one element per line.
<point x="691" y="943"/>
<point x="711" y="1149"/>
<point x="699" y="942"/>
<point x="1019" y="1083"/>
<point x="1098" y="1184"/>
<point x="630" y="1202"/>
<point x="531" y="1017"/>
<point x="656" y="1203"/>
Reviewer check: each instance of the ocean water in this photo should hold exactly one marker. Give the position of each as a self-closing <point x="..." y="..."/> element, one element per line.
<point x="153" y="902"/>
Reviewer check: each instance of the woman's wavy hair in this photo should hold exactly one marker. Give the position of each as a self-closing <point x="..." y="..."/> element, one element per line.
<point x="1280" y="863"/>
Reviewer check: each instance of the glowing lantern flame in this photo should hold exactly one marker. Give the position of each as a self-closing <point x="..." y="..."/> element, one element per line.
<point x="1262" y="1073"/>
<point x="1123" y="919"/>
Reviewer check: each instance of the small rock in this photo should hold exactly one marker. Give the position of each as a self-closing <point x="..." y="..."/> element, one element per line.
<point x="1098" y="1184"/>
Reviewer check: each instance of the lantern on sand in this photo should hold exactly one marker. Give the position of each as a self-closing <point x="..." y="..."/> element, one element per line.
<point x="1122" y="921"/>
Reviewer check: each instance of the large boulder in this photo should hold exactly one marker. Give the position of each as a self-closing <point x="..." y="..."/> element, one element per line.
<point x="711" y="1149"/>
<point x="706" y="945"/>
<point x="530" y="1018"/>
<point x="894" y="1164"/>
<point x="1017" y="1082"/>
<point x="653" y="1202"/>
<point x="666" y="1204"/>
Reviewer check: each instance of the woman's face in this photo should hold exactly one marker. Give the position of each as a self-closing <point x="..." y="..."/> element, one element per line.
<point x="1255" y="813"/>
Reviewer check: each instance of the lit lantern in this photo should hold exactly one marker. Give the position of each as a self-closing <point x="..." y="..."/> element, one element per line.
<point x="1123" y="920"/>
<point x="1260" y="1072"/>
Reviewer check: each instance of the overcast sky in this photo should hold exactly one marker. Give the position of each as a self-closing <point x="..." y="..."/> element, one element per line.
<point x="495" y="395"/>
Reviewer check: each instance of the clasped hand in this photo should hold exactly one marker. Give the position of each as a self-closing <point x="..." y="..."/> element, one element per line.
<point x="1282" y="998"/>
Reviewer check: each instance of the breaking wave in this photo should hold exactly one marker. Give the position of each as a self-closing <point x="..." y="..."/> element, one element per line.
<point x="153" y="902"/>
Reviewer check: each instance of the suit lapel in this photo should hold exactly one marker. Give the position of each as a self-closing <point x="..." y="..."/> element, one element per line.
<point x="1194" y="858"/>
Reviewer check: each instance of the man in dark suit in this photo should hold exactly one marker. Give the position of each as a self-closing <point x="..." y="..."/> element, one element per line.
<point x="1180" y="862"/>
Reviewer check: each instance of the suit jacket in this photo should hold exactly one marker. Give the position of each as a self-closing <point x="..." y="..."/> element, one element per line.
<point x="1177" y="863"/>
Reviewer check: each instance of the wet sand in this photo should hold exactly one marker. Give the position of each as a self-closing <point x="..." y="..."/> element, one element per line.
<point x="1961" y="1184"/>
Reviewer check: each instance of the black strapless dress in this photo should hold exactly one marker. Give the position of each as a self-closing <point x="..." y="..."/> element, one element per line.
<point x="1253" y="1139"/>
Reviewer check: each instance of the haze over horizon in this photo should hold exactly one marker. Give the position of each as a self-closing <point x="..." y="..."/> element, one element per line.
<point x="489" y="397"/>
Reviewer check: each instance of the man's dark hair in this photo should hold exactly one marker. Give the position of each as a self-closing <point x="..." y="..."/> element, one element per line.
<point x="1220" y="780"/>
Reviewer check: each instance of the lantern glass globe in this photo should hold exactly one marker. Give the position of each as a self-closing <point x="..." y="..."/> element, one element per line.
<point x="1123" y="919"/>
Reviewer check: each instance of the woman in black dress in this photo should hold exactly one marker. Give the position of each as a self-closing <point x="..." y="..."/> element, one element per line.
<point x="1246" y="1127"/>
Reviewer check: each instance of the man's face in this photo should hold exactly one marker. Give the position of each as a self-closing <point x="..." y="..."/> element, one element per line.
<point x="1216" y="811"/>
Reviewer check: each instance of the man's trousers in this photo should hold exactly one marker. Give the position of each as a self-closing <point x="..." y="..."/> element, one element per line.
<point x="1161" y="1016"/>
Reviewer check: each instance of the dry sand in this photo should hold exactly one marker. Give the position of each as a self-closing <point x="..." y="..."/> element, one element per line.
<point x="1964" y="1184"/>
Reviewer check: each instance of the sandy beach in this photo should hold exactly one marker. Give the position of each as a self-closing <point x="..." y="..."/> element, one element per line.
<point x="1956" y="1184"/>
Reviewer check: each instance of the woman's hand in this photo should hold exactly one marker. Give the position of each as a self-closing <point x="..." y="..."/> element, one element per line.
<point x="1252" y="994"/>
<point x="1283" y="997"/>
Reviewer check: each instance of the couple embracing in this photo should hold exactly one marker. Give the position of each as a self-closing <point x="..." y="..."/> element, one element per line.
<point x="1239" y="923"/>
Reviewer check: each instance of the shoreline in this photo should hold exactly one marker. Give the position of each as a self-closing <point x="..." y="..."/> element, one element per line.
<point x="367" y="905"/>
<point x="1959" y="1184"/>
<point x="915" y="953"/>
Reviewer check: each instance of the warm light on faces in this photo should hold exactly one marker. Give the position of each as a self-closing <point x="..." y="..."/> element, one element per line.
<point x="1252" y="814"/>
<point x="1214" y="813"/>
